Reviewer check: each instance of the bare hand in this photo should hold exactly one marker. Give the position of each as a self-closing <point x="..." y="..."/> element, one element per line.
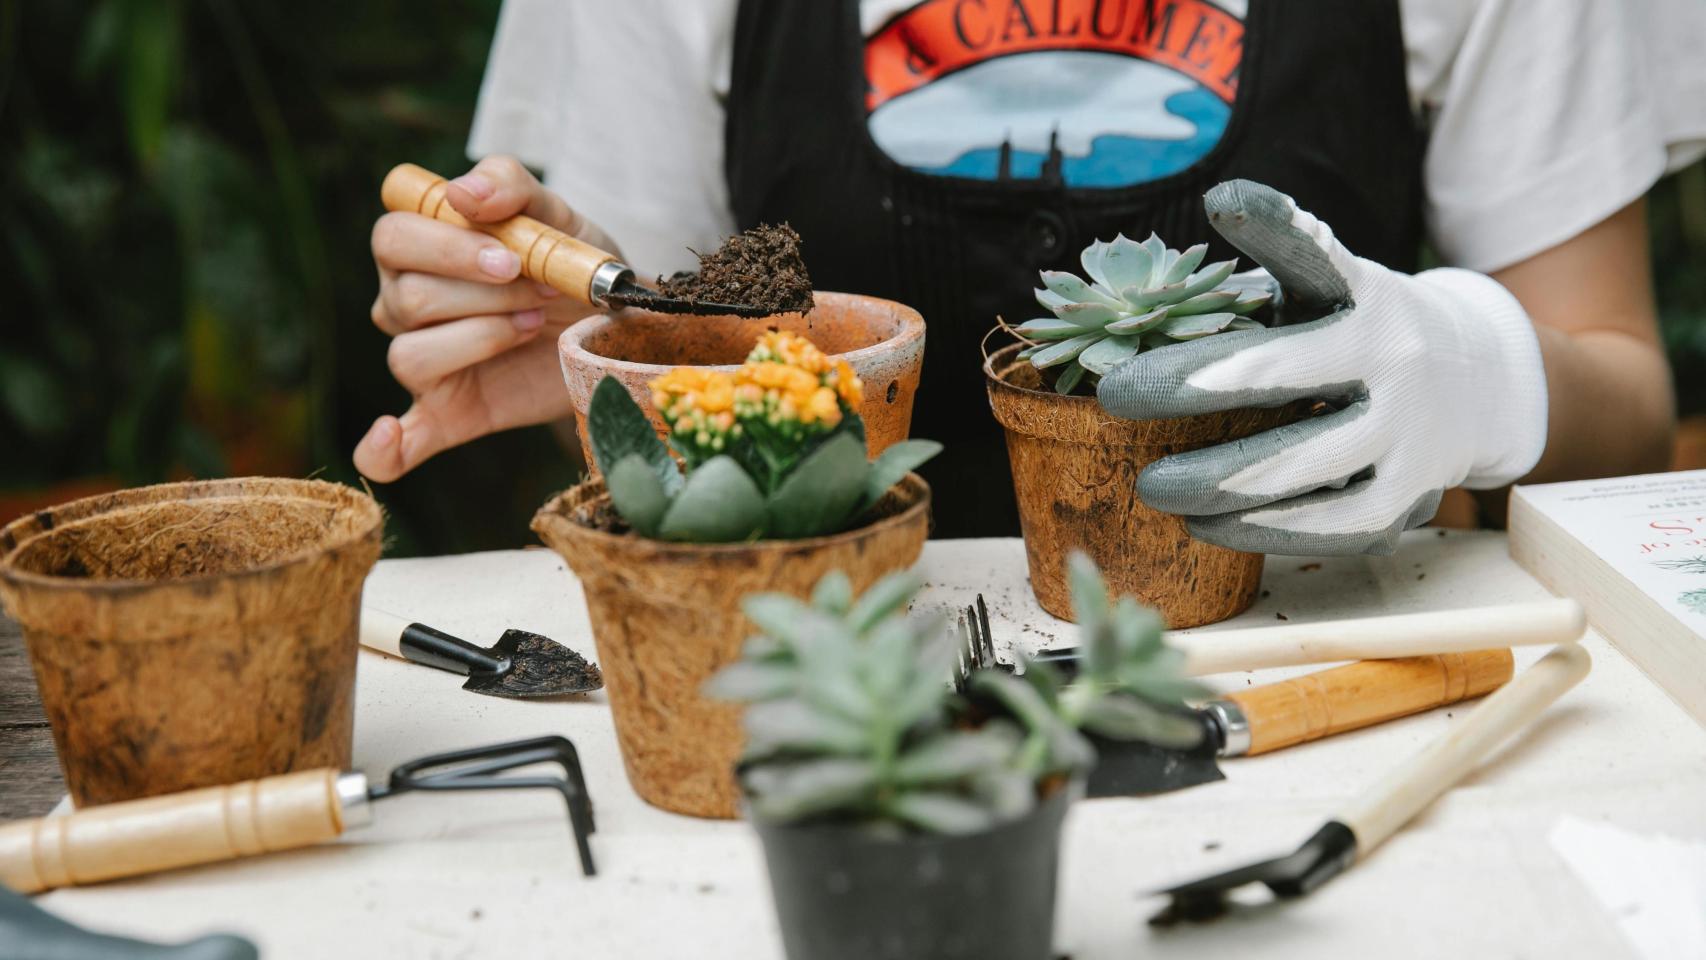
<point x="473" y="341"/>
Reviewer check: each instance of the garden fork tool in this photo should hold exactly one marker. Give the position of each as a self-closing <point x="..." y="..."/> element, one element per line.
<point x="283" y="812"/>
<point x="549" y="255"/>
<point x="1418" y="662"/>
<point x="1378" y="814"/>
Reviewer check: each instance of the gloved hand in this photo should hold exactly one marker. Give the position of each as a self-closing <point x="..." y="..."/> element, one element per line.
<point x="1439" y="376"/>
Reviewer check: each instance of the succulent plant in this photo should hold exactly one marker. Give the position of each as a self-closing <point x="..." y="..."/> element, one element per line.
<point x="1139" y="296"/>
<point x="773" y="450"/>
<point x="852" y="717"/>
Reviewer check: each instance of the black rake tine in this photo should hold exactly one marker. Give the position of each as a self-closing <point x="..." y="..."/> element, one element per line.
<point x="986" y="655"/>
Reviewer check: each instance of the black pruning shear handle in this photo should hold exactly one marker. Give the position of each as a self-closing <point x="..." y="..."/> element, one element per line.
<point x="521" y="665"/>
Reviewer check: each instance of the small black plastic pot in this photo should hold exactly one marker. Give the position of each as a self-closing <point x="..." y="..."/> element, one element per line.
<point x="845" y="894"/>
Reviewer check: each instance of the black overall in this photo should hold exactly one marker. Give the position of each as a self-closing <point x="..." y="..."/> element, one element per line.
<point x="1321" y="112"/>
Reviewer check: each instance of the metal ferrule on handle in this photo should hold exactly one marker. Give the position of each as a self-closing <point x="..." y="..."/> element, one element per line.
<point x="182" y="829"/>
<point x="548" y="255"/>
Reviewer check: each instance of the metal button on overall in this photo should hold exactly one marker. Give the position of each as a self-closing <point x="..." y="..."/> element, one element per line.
<point x="1045" y="232"/>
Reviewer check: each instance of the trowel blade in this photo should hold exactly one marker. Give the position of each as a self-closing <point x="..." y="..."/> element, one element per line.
<point x="539" y="667"/>
<point x="1128" y="768"/>
<point x="630" y="294"/>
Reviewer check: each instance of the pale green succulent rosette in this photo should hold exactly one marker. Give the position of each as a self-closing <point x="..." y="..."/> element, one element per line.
<point x="1139" y="296"/>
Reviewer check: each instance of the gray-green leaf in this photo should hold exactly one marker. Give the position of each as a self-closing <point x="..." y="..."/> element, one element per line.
<point x="956" y="754"/>
<point x="786" y="792"/>
<point x="1059" y="353"/>
<point x="719" y="504"/>
<point x="1099" y="358"/>
<point x="745" y="681"/>
<point x="1049" y="328"/>
<point x="940" y="812"/>
<point x="820" y="495"/>
<point x="1128" y="718"/>
<point x="618" y="427"/>
<point x="637" y="494"/>
<point x="892" y="465"/>
<point x="791" y="726"/>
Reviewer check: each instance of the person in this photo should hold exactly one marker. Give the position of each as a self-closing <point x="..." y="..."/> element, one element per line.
<point x="942" y="152"/>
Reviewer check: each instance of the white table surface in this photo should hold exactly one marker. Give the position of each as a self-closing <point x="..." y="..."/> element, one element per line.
<point x="495" y="875"/>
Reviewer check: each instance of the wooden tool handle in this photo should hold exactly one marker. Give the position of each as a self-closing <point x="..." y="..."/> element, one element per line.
<point x="1363" y="694"/>
<point x="160" y="833"/>
<point x="383" y="631"/>
<point x="548" y="255"/>
<point x="1381" y="638"/>
<point x="1404" y="793"/>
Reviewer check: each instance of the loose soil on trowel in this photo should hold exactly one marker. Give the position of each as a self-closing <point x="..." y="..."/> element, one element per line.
<point x="761" y="267"/>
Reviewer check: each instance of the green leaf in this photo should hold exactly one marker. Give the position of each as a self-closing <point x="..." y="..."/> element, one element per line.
<point x="1126" y="262"/>
<point x="892" y="465"/>
<point x="1020" y="698"/>
<point x="1207" y="279"/>
<point x="779" y="615"/>
<point x="1138" y="323"/>
<point x="819" y="496"/>
<point x="1181" y="268"/>
<point x="955" y="755"/>
<point x="790" y="726"/>
<point x="886" y="598"/>
<point x="1009" y="794"/>
<point x="636" y="494"/>
<point x="748" y="682"/>
<point x="1214" y="301"/>
<point x="1049" y="328"/>
<point x="786" y="792"/>
<point x="940" y="812"/>
<point x="887" y="659"/>
<point x="1089" y="591"/>
<point x="1073" y="289"/>
<point x="1249" y="305"/>
<point x="618" y="427"/>
<point x="1066" y="350"/>
<point x="1128" y="718"/>
<point x="1190" y="328"/>
<point x="1099" y="358"/>
<point x="1089" y="316"/>
<point x="1069" y="378"/>
<point x="719" y="504"/>
<point x="833" y="593"/>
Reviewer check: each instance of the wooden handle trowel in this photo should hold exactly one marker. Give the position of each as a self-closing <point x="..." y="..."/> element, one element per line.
<point x="548" y="255"/>
<point x="521" y="665"/>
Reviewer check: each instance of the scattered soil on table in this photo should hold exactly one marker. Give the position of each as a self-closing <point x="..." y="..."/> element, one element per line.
<point x="1309" y="568"/>
<point x="761" y="267"/>
<point x="1281" y="616"/>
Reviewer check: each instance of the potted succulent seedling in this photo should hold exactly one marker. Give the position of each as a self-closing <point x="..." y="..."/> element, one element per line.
<point x="902" y="820"/>
<point x="773" y="490"/>
<point x="1075" y="468"/>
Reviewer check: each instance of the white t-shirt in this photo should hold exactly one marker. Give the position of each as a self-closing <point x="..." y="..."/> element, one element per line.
<point x="1544" y="116"/>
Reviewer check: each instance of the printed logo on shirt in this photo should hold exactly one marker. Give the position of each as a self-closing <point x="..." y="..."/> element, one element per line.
<point x="1099" y="93"/>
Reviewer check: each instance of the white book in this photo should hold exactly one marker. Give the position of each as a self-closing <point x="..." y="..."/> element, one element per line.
<point x="1632" y="551"/>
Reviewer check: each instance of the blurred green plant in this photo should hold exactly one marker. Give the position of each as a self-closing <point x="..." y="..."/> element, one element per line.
<point x="189" y="190"/>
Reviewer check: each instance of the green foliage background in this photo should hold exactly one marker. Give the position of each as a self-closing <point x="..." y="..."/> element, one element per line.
<point x="186" y="191"/>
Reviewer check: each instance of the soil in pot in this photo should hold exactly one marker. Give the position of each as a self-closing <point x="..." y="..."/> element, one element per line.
<point x="192" y="634"/>
<point x="1075" y="472"/>
<point x="843" y="893"/>
<point x="666" y="616"/>
<point x="882" y="340"/>
<point x="761" y="267"/>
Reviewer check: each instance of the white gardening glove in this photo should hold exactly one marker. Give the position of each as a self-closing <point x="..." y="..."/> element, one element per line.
<point x="1439" y="375"/>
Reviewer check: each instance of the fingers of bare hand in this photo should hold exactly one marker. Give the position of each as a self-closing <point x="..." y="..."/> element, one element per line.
<point x="409" y="242"/>
<point x="421" y="358"/>
<point x="499" y="187"/>
<point x="409" y="301"/>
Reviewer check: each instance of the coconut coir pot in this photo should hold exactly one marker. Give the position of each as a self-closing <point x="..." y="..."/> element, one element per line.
<point x="193" y="634"/>
<point x="666" y="616"/>
<point x="882" y="340"/>
<point x="843" y="893"/>
<point x="1075" y="470"/>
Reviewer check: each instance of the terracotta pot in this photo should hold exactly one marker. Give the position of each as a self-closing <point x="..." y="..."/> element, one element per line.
<point x="1075" y="471"/>
<point x="881" y="339"/>
<point x="192" y="634"/>
<point x="666" y="616"/>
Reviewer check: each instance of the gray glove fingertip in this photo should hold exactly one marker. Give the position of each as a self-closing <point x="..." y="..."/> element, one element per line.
<point x="1261" y="222"/>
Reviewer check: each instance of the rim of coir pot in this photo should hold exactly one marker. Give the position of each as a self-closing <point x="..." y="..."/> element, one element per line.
<point x="25" y="530"/>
